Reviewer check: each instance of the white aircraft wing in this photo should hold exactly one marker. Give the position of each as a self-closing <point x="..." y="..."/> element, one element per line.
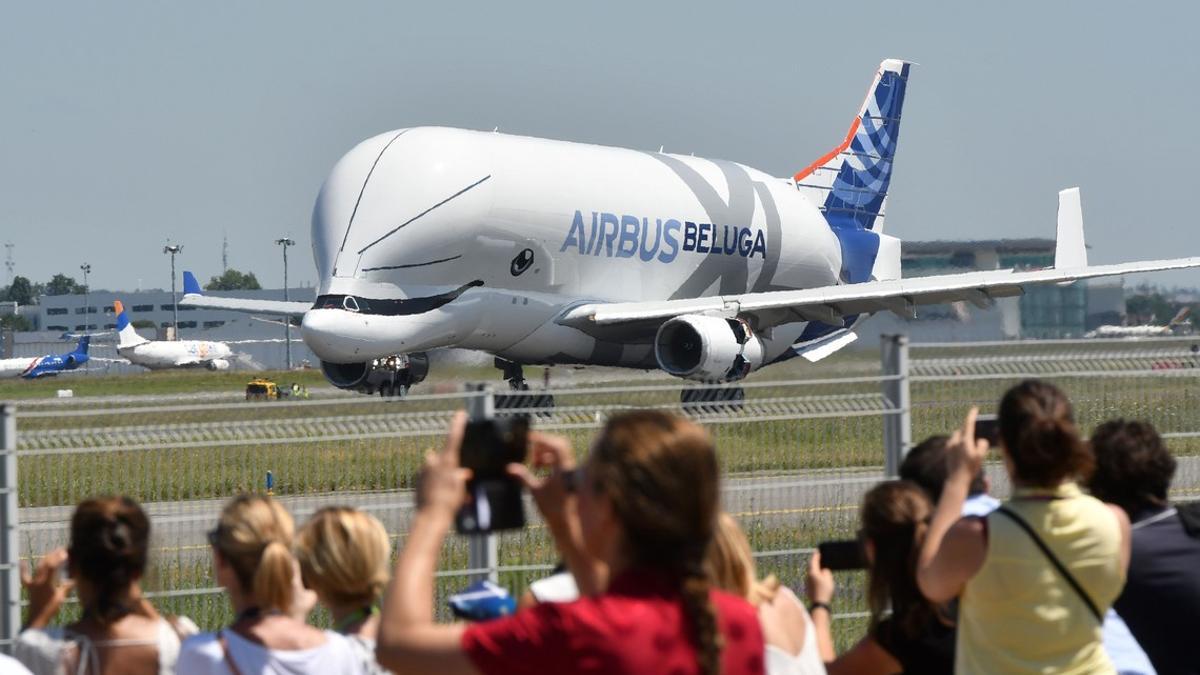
<point x="193" y="296"/>
<point x="829" y="304"/>
<point x="245" y="304"/>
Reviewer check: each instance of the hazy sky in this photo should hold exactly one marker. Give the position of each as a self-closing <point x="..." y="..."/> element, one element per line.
<point x="125" y="124"/>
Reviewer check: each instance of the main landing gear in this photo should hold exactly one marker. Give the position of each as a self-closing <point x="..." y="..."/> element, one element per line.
<point x="514" y="374"/>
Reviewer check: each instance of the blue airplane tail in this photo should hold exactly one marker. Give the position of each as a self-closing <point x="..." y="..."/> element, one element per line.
<point x="190" y="285"/>
<point x="850" y="183"/>
<point x="82" y="348"/>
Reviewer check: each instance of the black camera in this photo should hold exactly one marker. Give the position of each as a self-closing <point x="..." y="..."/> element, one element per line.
<point x="494" y="497"/>
<point x="842" y="555"/>
<point x="988" y="427"/>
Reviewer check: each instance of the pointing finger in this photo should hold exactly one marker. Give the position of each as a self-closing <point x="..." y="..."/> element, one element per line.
<point x="454" y="438"/>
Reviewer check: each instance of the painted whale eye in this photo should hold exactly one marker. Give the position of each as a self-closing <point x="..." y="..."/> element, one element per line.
<point x="522" y="262"/>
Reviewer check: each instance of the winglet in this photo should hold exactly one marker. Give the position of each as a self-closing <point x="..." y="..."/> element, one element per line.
<point x="1070" y="250"/>
<point x="190" y="285"/>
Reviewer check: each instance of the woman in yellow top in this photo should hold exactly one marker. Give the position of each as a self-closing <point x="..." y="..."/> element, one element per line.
<point x="1035" y="577"/>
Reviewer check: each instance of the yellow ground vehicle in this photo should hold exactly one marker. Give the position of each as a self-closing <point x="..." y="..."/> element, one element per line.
<point x="261" y="390"/>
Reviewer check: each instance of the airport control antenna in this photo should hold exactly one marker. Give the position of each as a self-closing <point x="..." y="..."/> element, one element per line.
<point x="9" y="265"/>
<point x="174" y="249"/>
<point x="285" y="242"/>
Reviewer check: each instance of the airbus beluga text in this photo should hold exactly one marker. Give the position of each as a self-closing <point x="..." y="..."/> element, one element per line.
<point x="550" y="252"/>
<point x="31" y="368"/>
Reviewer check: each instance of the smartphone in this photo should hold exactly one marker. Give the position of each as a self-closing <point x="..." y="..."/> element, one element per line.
<point x="842" y="555"/>
<point x="987" y="427"/>
<point x="494" y="497"/>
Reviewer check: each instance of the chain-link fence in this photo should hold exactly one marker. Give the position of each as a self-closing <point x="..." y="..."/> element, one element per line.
<point x="796" y="454"/>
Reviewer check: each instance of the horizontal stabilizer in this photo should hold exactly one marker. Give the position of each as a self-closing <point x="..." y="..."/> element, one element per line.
<point x="819" y="349"/>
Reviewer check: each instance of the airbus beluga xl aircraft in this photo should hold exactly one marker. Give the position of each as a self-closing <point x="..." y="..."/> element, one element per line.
<point x="549" y="252"/>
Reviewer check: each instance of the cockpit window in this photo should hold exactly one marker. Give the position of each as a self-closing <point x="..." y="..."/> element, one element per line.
<point x="350" y="304"/>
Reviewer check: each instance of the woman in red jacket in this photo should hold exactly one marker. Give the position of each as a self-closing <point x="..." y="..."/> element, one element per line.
<point x="633" y="525"/>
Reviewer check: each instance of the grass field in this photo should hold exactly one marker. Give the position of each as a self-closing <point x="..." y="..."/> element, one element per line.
<point x="159" y="446"/>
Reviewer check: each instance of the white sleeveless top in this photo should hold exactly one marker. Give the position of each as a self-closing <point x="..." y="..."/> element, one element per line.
<point x="42" y="651"/>
<point x="807" y="662"/>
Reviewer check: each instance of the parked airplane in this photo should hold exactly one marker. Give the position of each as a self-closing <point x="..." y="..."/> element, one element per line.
<point x="551" y="252"/>
<point x="45" y="366"/>
<point x="160" y="354"/>
<point x="1140" y="331"/>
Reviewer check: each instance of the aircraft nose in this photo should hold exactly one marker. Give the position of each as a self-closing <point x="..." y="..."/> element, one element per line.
<point x="324" y="331"/>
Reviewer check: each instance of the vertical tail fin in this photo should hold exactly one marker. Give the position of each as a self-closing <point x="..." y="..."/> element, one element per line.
<point x="850" y="183"/>
<point x="82" y="347"/>
<point x="126" y="335"/>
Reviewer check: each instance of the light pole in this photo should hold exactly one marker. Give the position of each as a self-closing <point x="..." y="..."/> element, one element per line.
<point x="86" y="267"/>
<point x="174" y="249"/>
<point x="285" y="242"/>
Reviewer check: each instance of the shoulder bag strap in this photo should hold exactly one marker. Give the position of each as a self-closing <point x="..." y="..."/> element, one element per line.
<point x="1062" y="569"/>
<point x="233" y="669"/>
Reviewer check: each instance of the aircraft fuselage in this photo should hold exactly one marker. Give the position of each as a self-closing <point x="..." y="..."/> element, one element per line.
<point x="435" y="237"/>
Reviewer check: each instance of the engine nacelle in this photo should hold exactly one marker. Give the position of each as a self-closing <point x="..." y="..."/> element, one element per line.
<point x="218" y="364"/>
<point x="707" y="348"/>
<point x="389" y="376"/>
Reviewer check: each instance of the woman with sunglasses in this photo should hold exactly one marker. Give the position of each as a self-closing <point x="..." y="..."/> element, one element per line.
<point x="633" y="527"/>
<point x="252" y="558"/>
<point x="907" y="633"/>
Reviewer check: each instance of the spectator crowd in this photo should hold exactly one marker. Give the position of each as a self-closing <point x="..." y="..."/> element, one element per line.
<point x="1087" y="567"/>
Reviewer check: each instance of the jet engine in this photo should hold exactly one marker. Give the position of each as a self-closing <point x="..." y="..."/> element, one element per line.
<point x="390" y="376"/>
<point x="707" y="348"/>
<point x="218" y="364"/>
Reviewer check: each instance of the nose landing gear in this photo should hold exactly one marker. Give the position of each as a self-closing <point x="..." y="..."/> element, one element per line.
<point x="514" y="374"/>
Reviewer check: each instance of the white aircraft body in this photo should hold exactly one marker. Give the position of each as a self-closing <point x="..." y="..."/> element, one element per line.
<point x="1146" y="330"/>
<point x="550" y="252"/>
<point x="162" y="354"/>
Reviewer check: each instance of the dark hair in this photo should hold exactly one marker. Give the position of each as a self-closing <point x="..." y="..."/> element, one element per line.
<point x="895" y="518"/>
<point x="1133" y="466"/>
<point x="925" y="464"/>
<point x="660" y="472"/>
<point x="110" y="539"/>
<point x="1037" y="428"/>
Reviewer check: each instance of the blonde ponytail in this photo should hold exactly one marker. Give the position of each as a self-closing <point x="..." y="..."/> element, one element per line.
<point x="254" y="535"/>
<point x="273" y="577"/>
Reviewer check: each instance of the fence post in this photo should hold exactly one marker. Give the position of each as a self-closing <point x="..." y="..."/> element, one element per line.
<point x="897" y="426"/>
<point x="482" y="549"/>
<point x="10" y="572"/>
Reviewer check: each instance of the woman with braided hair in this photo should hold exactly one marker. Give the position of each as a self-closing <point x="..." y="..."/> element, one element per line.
<point x="633" y="525"/>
